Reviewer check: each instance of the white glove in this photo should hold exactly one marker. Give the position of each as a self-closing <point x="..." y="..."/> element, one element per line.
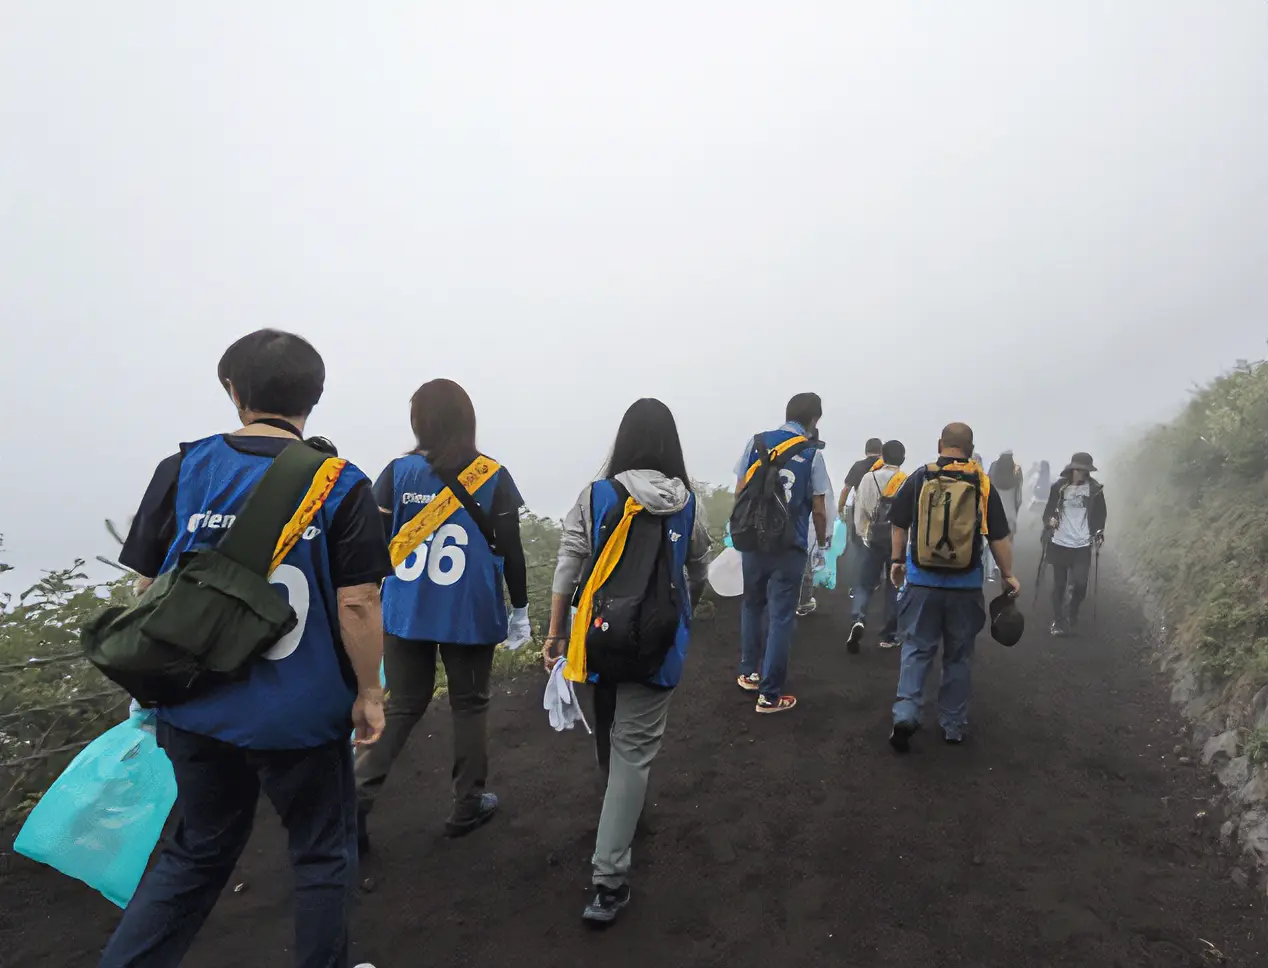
<point x="560" y="701"/>
<point x="519" y="631"/>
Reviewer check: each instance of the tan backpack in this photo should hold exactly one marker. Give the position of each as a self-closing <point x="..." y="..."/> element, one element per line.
<point x="950" y="516"/>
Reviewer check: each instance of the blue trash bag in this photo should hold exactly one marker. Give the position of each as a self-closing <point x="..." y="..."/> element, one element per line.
<point x="826" y="577"/>
<point x="101" y="819"/>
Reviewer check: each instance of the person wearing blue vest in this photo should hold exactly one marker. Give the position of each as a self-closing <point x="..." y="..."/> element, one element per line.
<point x="283" y="730"/>
<point x="772" y="580"/>
<point x="943" y="608"/>
<point x="630" y="717"/>
<point x="446" y="595"/>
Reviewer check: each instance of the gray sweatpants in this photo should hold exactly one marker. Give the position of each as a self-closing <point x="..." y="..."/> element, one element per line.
<point x="637" y="721"/>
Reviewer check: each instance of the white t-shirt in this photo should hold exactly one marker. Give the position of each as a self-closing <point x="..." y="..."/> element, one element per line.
<point x="1072" y="530"/>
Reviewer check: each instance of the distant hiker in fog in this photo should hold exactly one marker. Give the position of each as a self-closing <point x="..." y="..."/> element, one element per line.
<point x="282" y="729"/>
<point x="871" y="454"/>
<point x="1006" y="478"/>
<point x="452" y="517"/>
<point x="1075" y="521"/>
<point x="938" y="568"/>
<point x="873" y="503"/>
<point x="1042" y="483"/>
<point x="854" y="556"/>
<point x="780" y="476"/>
<point x="633" y="677"/>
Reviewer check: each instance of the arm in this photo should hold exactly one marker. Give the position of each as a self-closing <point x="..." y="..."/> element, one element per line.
<point x="698" y="556"/>
<point x="1050" y="509"/>
<point x="1097" y="513"/>
<point x="506" y="532"/>
<point x="574" y="552"/>
<point x="820" y="484"/>
<point x="153" y="526"/>
<point x="820" y="515"/>
<point x="997" y="536"/>
<point x="901" y="516"/>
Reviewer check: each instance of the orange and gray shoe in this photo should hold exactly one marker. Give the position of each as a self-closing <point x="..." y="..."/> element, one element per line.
<point x="779" y="705"/>
<point x="751" y="682"/>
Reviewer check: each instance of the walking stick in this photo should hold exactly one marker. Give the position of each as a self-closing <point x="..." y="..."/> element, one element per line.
<point x="1043" y="557"/>
<point x="1096" y="579"/>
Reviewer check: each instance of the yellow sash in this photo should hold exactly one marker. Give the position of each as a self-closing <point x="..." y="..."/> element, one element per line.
<point x="424" y="524"/>
<point x="893" y="484"/>
<point x="323" y="483"/>
<point x="778" y="449"/>
<point x="575" y="667"/>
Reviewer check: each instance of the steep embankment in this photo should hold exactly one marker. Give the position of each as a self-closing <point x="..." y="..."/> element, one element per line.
<point x="1192" y="509"/>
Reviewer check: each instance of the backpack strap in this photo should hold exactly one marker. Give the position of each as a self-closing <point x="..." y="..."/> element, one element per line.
<point x="470" y="505"/>
<point x="280" y="507"/>
<point x="777" y="456"/>
<point x="425" y="523"/>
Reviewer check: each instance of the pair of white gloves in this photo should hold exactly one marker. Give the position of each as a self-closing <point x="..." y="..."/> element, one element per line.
<point x="518" y="632"/>
<point x="560" y="701"/>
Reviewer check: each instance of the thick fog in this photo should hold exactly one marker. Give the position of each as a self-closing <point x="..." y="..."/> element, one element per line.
<point x="1047" y="220"/>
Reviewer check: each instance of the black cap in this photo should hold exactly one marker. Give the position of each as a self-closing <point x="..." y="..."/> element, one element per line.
<point x="1007" y="624"/>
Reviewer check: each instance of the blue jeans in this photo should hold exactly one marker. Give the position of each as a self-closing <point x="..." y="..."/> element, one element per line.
<point x="932" y="617"/>
<point x="772" y="583"/>
<point x="218" y="787"/>
<point x="869" y="574"/>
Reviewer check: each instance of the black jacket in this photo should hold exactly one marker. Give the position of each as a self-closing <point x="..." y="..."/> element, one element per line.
<point x="1096" y="503"/>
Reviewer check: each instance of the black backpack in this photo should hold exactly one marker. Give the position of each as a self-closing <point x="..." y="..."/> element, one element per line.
<point x="636" y="611"/>
<point x="761" y="519"/>
<point x="880" y="533"/>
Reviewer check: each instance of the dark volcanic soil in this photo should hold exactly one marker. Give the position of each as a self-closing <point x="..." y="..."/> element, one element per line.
<point x="1063" y="833"/>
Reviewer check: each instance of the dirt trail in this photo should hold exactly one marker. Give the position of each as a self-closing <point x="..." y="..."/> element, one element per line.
<point x="1063" y="833"/>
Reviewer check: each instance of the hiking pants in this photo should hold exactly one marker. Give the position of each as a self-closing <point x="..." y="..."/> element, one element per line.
<point x="218" y="786"/>
<point x="876" y="562"/>
<point x="1070" y="568"/>
<point x="929" y="618"/>
<point x="772" y="582"/>
<point x="409" y="666"/>
<point x="633" y="733"/>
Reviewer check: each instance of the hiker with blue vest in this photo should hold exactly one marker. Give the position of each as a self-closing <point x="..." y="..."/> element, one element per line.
<point x="281" y="724"/>
<point x="633" y="560"/>
<point x="452" y="515"/>
<point x="872" y="506"/>
<point x="781" y="488"/>
<point x="939" y="517"/>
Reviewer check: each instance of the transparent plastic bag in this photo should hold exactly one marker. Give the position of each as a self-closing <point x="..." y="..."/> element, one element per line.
<point x="101" y="819"/>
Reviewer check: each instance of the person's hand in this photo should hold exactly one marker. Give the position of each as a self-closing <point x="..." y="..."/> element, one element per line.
<point x="898" y="574"/>
<point x="1014" y="586"/>
<point x="552" y="650"/>
<point x="1099" y="538"/>
<point x="519" y="632"/>
<point x="818" y="560"/>
<point x="368" y="717"/>
<point x="1052" y="523"/>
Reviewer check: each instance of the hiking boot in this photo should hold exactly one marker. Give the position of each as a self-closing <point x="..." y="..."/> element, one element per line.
<point x="751" y="682"/>
<point x="780" y="705"/>
<point x="484" y="813"/>
<point x="900" y="738"/>
<point x="952" y="739"/>
<point x="607" y="904"/>
<point x="856" y="637"/>
<point x="1057" y="630"/>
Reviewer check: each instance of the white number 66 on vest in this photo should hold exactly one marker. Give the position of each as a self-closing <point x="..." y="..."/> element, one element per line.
<point x="444" y="563"/>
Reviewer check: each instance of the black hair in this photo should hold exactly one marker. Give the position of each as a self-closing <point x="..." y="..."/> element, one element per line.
<point x="894" y="453"/>
<point x="873" y="446"/>
<point x="273" y="372"/>
<point x="444" y="423"/>
<point x="804" y="408"/>
<point x="648" y="440"/>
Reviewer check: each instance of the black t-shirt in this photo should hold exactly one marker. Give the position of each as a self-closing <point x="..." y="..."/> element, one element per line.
<point x="505" y="513"/>
<point x="861" y="467"/>
<point x="358" y="553"/>
<point x="904" y="509"/>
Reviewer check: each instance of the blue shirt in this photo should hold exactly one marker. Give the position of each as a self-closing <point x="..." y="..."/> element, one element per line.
<point x="805" y="475"/>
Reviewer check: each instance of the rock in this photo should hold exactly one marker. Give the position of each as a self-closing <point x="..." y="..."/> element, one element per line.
<point x="1226" y="833"/>
<point x="240" y="888"/>
<point x="1252" y="835"/>
<point x="1235" y="773"/>
<point x="552" y="860"/>
<point x="1240" y="877"/>
<point x="1224" y="745"/>
<point x="1259" y="708"/>
<point x="1185" y="761"/>
<point x="1254" y="792"/>
<point x="369" y="884"/>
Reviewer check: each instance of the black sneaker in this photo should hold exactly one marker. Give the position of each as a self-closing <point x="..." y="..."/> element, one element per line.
<point x="856" y="637"/>
<point x="952" y="739"/>
<point x="1058" y="630"/>
<point x="607" y="904"/>
<point x="900" y="738"/>
<point x="484" y="813"/>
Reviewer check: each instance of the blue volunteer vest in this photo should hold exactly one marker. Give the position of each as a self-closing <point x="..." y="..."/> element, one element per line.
<point x="916" y="575"/>
<point x="603" y="498"/>
<point x="798" y="490"/>
<point x="297" y="696"/>
<point x="450" y="588"/>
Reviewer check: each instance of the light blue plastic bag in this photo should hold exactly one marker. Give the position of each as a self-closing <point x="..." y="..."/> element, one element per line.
<point x="826" y="577"/>
<point x="101" y="819"/>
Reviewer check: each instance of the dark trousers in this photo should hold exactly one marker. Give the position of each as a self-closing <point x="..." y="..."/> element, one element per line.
<point x="874" y="572"/>
<point x="1070" y="568"/>
<point x="218" y="787"/>
<point x="410" y="669"/>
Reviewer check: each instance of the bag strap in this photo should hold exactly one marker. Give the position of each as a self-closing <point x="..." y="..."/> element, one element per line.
<point x="471" y="505"/>
<point x="426" y="522"/>
<point x="779" y="455"/>
<point x="277" y="504"/>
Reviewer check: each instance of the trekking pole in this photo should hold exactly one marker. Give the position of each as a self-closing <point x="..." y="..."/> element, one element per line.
<point x="1096" y="580"/>
<point x="1043" y="557"/>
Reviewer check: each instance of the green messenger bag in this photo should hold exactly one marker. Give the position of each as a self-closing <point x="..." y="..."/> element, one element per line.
<point x="205" y="622"/>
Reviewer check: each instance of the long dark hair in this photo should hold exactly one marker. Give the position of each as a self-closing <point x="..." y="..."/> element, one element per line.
<point x="444" y="424"/>
<point x="647" y="440"/>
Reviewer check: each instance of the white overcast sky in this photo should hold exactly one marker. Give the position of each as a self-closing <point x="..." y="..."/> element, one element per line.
<point x="1046" y="218"/>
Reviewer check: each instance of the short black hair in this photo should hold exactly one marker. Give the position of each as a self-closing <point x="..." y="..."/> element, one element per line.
<point x="274" y="372"/>
<point x="894" y="453"/>
<point x="804" y="408"/>
<point x="873" y="446"/>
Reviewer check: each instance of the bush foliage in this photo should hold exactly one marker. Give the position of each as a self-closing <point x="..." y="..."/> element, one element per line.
<point x="1193" y="496"/>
